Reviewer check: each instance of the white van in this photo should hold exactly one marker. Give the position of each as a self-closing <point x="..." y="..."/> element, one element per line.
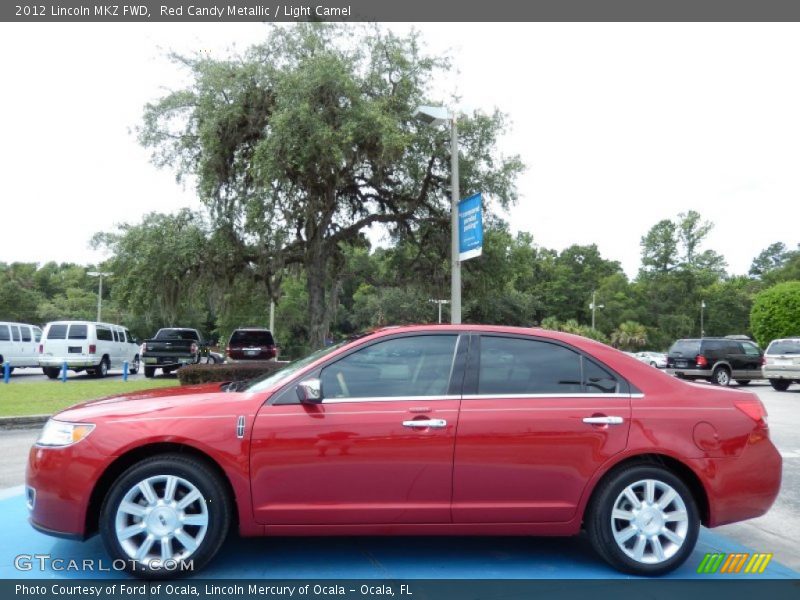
<point x="89" y="346"/>
<point x="18" y="344"/>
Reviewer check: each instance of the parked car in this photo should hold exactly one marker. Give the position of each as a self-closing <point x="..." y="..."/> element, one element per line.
<point x="251" y="343"/>
<point x="782" y="363"/>
<point x="429" y="430"/>
<point x="18" y="344"/>
<point x="718" y="360"/>
<point x="171" y="348"/>
<point x="654" y="359"/>
<point x="87" y="346"/>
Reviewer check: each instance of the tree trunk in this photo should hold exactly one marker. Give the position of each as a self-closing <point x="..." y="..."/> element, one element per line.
<point x="316" y="263"/>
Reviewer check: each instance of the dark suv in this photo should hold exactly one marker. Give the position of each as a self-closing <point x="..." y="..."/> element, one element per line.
<point x="251" y="343"/>
<point x="716" y="359"/>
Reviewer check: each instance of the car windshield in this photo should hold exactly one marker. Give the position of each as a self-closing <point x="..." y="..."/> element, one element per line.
<point x="268" y="381"/>
<point x="784" y="347"/>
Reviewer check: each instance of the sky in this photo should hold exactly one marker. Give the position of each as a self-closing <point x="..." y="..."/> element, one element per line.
<point x="619" y="126"/>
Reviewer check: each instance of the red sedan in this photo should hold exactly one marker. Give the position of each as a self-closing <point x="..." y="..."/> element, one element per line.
<point x="425" y="430"/>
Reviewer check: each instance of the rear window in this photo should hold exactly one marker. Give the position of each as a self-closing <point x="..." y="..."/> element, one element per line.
<point x="176" y="334"/>
<point x="5" y="335"/>
<point x="784" y="347"/>
<point x="685" y="348"/>
<point x="57" y="332"/>
<point x="104" y="334"/>
<point x="77" y="332"/>
<point x="252" y="338"/>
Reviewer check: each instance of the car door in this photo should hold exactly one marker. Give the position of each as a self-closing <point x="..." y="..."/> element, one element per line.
<point x="751" y="355"/>
<point x="537" y="420"/>
<point x="377" y="449"/>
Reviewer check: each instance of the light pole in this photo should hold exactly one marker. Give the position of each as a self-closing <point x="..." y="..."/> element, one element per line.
<point x="99" y="274"/>
<point x="438" y="115"/>
<point x="702" y="316"/>
<point x="439" y="302"/>
<point x="594" y="306"/>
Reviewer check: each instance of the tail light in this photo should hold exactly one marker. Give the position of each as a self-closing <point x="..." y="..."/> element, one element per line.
<point x="763" y="361"/>
<point x="41" y="348"/>
<point x="701" y="360"/>
<point x="92" y="349"/>
<point x="228" y="350"/>
<point x="193" y="348"/>
<point x="754" y="409"/>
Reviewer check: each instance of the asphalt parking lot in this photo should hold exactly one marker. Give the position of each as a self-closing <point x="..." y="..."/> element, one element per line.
<point x="428" y="557"/>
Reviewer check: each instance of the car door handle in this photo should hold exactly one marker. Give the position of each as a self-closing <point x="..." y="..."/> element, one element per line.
<point x="438" y="423"/>
<point x="603" y="420"/>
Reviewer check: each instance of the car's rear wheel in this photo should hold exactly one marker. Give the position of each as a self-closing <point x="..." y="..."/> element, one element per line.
<point x="743" y="381"/>
<point x="721" y="376"/>
<point x="134" y="368"/>
<point x="101" y="370"/>
<point x="51" y="372"/>
<point x="780" y="384"/>
<point x="165" y="516"/>
<point x="149" y="371"/>
<point x="643" y="520"/>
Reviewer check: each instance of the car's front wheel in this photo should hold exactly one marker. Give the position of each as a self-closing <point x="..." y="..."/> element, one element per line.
<point x="166" y="516"/>
<point x="643" y="520"/>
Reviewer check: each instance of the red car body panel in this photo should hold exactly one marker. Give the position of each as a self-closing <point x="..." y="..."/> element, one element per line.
<point x="526" y="467"/>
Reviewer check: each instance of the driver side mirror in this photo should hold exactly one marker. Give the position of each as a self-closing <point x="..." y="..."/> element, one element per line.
<point x="309" y="391"/>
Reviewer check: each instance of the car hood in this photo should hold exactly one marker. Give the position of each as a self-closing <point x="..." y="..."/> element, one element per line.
<point x="162" y="402"/>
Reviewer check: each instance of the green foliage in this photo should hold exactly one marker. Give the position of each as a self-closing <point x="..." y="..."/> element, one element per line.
<point x="630" y="335"/>
<point x="303" y="142"/>
<point x="776" y="313"/>
<point x="572" y="326"/>
<point x="241" y="371"/>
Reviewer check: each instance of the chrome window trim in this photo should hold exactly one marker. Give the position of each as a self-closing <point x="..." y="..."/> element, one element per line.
<point x="549" y="395"/>
<point x="390" y="399"/>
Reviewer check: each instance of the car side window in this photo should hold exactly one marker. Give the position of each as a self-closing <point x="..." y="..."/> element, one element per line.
<point x="26" y="334"/>
<point x="519" y="366"/>
<point x="37" y="335"/>
<point x="5" y="335"/>
<point x="751" y="349"/>
<point x="396" y="368"/>
<point x="597" y="380"/>
<point x="15" y="333"/>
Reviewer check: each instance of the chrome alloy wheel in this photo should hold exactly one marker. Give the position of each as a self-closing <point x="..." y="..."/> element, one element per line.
<point x="161" y="518"/>
<point x="649" y="521"/>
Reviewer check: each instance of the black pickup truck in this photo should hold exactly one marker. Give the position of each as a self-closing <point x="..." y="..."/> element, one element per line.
<point x="171" y="348"/>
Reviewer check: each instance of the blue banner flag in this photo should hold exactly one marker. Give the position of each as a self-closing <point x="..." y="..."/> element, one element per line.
<point x="470" y="227"/>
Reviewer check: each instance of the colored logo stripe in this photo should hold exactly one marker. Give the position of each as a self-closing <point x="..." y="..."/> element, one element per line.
<point x="734" y="563"/>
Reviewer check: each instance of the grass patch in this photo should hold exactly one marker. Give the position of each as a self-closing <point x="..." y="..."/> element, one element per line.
<point x="48" y="397"/>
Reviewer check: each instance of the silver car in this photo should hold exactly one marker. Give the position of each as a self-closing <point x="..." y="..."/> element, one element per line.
<point x="782" y="363"/>
<point x="654" y="359"/>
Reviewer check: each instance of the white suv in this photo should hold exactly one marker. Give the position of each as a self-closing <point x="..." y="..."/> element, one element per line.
<point x="18" y="343"/>
<point x="782" y="363"/>
<point x="84" y="345"/>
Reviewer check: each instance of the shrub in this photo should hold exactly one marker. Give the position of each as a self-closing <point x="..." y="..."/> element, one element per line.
<point x="203" y="373"/>
<point x="776" y="313"/>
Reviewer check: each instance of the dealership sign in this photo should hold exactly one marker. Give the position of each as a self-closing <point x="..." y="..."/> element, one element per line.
<point x="470" y="227"/>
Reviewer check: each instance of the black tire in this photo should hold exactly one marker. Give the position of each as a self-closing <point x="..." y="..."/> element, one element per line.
<point x="149" y="372"/>
<point x="653" y="364"/>
<point x="213" y="498"/>
<point x="743" y="381"/>
<point x="780" y="384"/>
<point x="600" y="526"/>
<point x="51" y="372"/>
<point x="721" y="376"/>
<point x="133" y="369"/>
<point x="101" y="370"/>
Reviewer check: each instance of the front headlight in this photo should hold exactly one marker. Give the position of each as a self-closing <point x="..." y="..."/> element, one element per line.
<point x="61" y="433"/>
